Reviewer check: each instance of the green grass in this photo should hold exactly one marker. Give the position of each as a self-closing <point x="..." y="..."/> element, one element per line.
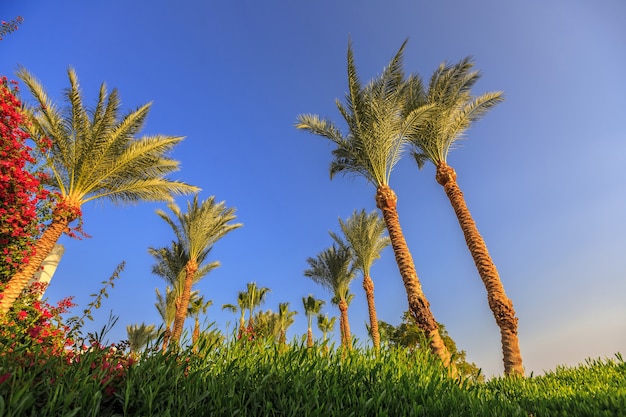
<point x="262" y="379"/>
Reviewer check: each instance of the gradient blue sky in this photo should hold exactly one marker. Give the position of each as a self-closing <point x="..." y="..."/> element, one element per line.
<point x="543" y="173"/>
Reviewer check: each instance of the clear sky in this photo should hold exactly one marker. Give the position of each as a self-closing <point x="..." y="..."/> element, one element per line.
<point x="543" y="173"/>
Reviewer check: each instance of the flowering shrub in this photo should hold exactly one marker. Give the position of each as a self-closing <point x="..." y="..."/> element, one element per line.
<point x="11" y="26"/>
<point x="39" y="351"/>
<point x="21" y="190"/>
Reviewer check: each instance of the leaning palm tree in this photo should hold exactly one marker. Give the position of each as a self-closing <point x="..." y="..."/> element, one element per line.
<point x="285" y="319"/>
<point x="454" y="109"/>
<point x="364" y="235"/>
<point x="240" y="307"/>
<point x="139" y="336"/>
<point x="312" y="306"/>
<point x="379" y="116"/>
<point x="93" y="154"/>
<point x="333" y="269"/>
<point x="325" y="325"/>
<point x="197" y="307"/>
<point x="196" y="231"/>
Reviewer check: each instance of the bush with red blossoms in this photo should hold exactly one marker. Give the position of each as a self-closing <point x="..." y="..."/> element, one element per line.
<point x="22" y="196"/>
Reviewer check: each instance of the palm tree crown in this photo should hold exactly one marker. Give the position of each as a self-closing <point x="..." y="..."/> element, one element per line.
<point x="312" y="307"/>
<point x="453" y="110"/>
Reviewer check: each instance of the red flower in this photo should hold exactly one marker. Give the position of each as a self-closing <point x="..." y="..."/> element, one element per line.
<point x="4" y="377"/>
<point x="22" y="315"/>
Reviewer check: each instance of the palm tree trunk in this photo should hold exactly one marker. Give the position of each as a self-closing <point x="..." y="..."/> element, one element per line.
<point x="309" y="337"/>
<point x="419" y="307"/>
<point x="182" y="306"/>
<point x="368" y="286"/>
<point x="500" y="304"/>
<point x="62" y="215"/>
<point x="166" y="339"/>
<point x="346" y="337"/>
<point x="195" y="335"/>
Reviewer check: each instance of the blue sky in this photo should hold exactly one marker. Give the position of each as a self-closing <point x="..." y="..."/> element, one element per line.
<point x="543" y="173"/>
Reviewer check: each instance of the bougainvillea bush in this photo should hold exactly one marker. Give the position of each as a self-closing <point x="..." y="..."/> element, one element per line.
<point x="22" y="196"/>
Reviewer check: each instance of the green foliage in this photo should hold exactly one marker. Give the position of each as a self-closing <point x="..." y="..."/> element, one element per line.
<point x="407" y="335"/>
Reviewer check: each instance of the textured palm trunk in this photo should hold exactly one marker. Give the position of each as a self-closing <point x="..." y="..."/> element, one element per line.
<point x="242" y="327"/>
<point x="500" y="304"/>
<point x="309" y="337"/>
<point x="368" y="286"/>
<point x="346" y="336"/>
<point x="62" y="215"/>
<point x="166" y="339"/>
<point x="183" y="302"/>
<point x="419" y="307"/>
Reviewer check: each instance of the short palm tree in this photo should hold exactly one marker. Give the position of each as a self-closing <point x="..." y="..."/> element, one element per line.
<point x="139" y="335"/>
<point x="240" y="307"/>
<point x="325" y="325"/>
<point x="197" y="307"/>
<point x="166" y="306"/>
<point x="254" y="297"/>
<point x="379" y="116"/>
<point x="312" y="307"/>
<point x="364" y="234"/>
<point x="454" y="109"/>
<point x="333" y="269"/>
<point x="94" y="154"/>
<point x="196" y="231"/>
<point x="285" y="320"/>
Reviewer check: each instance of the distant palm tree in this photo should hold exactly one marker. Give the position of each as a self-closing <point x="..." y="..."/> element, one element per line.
<point x="240" y="307"/>
<point x="196" y="231"/>
<point x="364" y="235"/>
<point x="94" y="154"/>
<point x="333" y="270"/>
<point x="254" y="297"/>
<point x="312" y="307"/>
<point x="197" y="307"/>
<point x="285" y="320"/>
<point x="380" y="115"/>
<point x="325" y="325"/>
<point x="170" y="264"/>
<point x="454" y="109"/>
<point x="139" y="335"/>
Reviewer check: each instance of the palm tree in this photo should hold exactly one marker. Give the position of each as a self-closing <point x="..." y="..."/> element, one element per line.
<point x="196" y="307"/>
<point x="94" y="154"/>
<point x="166" y="306"/>
<point x="453" y="111"/>
<point x="170" y="264"/>
<point x="196" y="231"/>
<point x="139" y="336"/>
<point x="364" y="235"/>
<point x="240" y="307"/>
<point x="285" y="320"/>
<point x="325" y="325"/>
<point x="379" y="116"/>
<point x="312" y="306"/>
<point x="254" y="297"/>
<point x="333" y="270"/>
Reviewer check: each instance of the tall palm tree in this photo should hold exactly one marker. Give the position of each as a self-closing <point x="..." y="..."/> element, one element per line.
<point x="197" y="307"/>
<point x="312" y="306"/>
<point x="196" y="231"/>
<point x="454" y="109"/>
<point x="139" y="335"/>
<point x="94" y="154"/>
<point x="240" y="307"/>
<point x="170" y="264"/>
<point x="325" y="325"/>
<point x="285" y="320"/>
<point x="379" y="116"/>
<point x="364" y="235"/>
<point x="333" y="269"/>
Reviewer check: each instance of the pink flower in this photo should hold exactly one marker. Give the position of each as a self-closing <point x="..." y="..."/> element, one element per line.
<point x="4" y="377"/>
